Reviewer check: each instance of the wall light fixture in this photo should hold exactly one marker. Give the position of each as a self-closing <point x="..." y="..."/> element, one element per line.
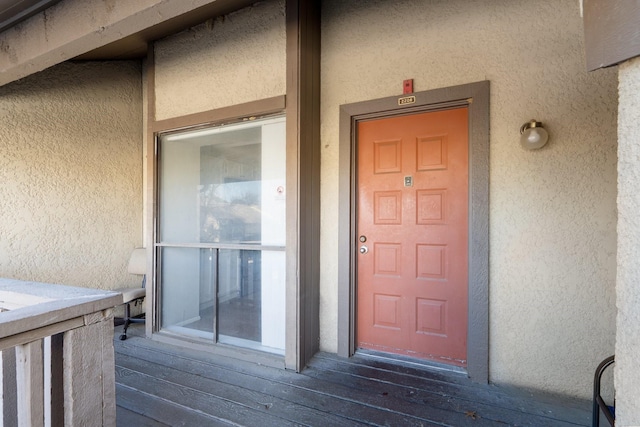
<point x="533" y="135"/>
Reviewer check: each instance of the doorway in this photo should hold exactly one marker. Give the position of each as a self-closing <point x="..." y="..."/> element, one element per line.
<point x="412" y="227"/>
<point x="429" y="313"/>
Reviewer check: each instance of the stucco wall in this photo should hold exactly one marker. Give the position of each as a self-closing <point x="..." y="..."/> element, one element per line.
<point x="71" y="174"/>
<point x="228" y="61"/>
<point x="553" y="211"/>
<point x="627" y="376"/>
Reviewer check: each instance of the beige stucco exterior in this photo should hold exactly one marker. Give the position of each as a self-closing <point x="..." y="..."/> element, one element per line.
<point x="70" y="167"/>
<point x="552" y="212"/>
<point x="627" y="376"/>
<point x="229" y="61"/>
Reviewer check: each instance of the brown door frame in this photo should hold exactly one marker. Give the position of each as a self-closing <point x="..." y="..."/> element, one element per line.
<point x="475" y="96"/>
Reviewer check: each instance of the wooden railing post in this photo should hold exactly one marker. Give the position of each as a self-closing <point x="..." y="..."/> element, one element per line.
<point x="30" y="384"/>
<point x="81" y="381"/>
<point x="9" y="387"/>
<point x="88" y="372"/>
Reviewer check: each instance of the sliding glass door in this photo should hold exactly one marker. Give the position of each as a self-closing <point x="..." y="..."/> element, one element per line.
<point x="221" y="234"/>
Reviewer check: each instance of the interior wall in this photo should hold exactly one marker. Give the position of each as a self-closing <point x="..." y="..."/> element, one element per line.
<point x="627" y="376"/>
<point x="71" y="174"/>
<point x="552" y="211"/>
<point x="231" y="60"/>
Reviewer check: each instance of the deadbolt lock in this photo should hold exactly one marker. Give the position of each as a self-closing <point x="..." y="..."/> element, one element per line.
<point x="363" y="239"/>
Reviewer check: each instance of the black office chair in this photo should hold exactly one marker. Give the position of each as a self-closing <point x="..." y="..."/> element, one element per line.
<point x="137" y="265"/>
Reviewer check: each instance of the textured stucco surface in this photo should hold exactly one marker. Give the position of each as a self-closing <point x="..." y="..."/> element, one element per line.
<point x="71" y="147"/>
<point x="627" y="375"/>
<point x="553" y="211"/>
<point x="71" y="174"/>
<point x="73" y="27"/>
<point x="232" y="60"/>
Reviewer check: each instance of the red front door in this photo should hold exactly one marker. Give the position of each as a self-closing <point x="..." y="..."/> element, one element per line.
<point x="412" y="229"/>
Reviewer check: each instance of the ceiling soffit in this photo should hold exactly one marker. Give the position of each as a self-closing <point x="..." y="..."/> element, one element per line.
<point x="13" y="12"/>
<point x="135" y="45"/>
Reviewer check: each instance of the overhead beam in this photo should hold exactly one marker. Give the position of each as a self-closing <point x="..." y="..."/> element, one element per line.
<point x="74" y="27"/>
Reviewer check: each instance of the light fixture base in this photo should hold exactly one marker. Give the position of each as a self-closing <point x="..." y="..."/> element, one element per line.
<point x="533" y="135"/>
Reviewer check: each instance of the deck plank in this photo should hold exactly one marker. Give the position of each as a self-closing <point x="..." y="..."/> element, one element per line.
<point x="206" y="403"/>
<point x="282" y="385"/>
<point x="538" y="404"/>
<point x="125" y="417"/>
<point x="155" y="409"/>
<point x="411" y="394"/>
<point x="332" y="391"/>
<point x="238" y="392"/>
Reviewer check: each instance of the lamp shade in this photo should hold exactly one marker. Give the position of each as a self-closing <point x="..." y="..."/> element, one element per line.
<point x="533" y="135"/>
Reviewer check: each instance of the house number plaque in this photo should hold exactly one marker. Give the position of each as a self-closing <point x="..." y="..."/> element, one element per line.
<point x="407" y="100"/>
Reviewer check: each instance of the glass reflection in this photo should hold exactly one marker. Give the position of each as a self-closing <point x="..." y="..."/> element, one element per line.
<point x="220" y="188"/>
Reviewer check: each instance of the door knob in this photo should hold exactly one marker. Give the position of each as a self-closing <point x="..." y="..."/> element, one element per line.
<point x="364" y="249"/>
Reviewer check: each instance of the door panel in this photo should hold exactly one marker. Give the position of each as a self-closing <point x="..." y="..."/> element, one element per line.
<point x="413" y="215"/>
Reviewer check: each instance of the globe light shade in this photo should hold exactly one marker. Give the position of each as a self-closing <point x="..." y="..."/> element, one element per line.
<point x="533" y="135"/>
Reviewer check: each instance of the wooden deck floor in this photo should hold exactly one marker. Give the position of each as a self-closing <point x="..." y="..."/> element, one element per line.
<point x="162" y="385"/>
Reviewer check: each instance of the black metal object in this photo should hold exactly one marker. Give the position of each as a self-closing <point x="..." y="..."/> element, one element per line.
<point x="127" y="312"/>
<point x="598" y="402"/>
<point x="128" y="319"/>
